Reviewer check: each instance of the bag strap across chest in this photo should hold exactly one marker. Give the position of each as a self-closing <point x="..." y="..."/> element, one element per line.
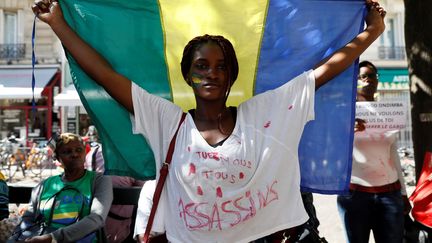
<point x="163" y="174"/>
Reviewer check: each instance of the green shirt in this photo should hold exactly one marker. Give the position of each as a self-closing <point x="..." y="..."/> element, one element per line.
<point x="71" y="200"/>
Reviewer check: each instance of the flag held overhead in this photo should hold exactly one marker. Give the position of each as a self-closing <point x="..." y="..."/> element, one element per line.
<point x="274" y="40"/>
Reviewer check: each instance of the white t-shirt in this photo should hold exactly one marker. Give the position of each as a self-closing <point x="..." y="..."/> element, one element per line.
<point x="144" y="207"/>
<point x="375" y="159"/>
<point x="244" y="189"/>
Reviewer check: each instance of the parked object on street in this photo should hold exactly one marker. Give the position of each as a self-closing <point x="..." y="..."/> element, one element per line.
<point x="13" y="155"/>
<point x="39" y="158"/>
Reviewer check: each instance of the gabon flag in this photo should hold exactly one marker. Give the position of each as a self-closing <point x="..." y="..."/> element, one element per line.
<point x="275" y="40"/>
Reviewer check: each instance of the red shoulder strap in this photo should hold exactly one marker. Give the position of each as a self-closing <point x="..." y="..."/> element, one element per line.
<point x="161" y="181"/>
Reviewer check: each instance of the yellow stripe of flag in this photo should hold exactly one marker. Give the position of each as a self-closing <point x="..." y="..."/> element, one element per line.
<point x="67" y="215"/>
<point x="240" y="21"/>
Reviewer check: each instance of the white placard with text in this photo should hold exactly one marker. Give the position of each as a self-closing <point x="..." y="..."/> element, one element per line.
<point x="383" y="116"/>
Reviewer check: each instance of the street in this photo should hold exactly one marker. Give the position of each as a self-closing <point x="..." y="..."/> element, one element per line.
<point x="331" y="226"/>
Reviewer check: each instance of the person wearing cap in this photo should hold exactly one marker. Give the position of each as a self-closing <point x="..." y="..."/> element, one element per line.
<point x="81" y="198"/>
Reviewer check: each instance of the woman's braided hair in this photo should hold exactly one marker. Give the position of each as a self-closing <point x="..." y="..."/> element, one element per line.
<point x="227" y="50"/>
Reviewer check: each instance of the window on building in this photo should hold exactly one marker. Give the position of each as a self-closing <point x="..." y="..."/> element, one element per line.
<point x="10" y="28"/>
<point x="389" y="46"/>
<point x="10" y="48"/>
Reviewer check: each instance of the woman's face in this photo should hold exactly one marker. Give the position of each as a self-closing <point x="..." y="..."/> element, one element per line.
<point x="72" y="155"/>
<point x="208" y="75"/>
<point x="369" y="81"/>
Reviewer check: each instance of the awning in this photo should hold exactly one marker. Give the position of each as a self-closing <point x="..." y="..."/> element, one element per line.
<point x="393" y="79"/>
<point x="68" y="97"/>
<point x="16" y="82"/>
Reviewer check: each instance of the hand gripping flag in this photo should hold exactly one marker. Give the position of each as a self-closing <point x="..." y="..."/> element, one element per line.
<point x="275" y="40"/>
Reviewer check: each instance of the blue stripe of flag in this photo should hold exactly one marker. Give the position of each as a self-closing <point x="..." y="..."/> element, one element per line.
<point x="299" y="34"/>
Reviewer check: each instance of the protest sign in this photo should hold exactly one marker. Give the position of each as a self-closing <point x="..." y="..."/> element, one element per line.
<point x="382" y="116"/>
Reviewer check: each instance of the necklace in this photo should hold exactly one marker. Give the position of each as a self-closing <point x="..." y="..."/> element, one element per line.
<point x="219" y="119"/>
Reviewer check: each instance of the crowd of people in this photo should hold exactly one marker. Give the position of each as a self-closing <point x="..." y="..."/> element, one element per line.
<point x="76" y="205"/>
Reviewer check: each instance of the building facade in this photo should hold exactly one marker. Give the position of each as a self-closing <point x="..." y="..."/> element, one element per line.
<point x="25" y="112"/>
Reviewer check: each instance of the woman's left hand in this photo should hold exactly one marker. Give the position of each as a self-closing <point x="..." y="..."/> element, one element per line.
<point x="375" y="16"/>
<point x="40" y="239"/>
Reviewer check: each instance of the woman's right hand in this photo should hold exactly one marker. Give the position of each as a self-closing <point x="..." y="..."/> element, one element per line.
<point x="48" y="11"/>
<point x="93" y="64"/>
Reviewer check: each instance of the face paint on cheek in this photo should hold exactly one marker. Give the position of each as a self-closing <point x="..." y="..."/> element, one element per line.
<point x="196" y="79"/>
<point x="361" y="84"/>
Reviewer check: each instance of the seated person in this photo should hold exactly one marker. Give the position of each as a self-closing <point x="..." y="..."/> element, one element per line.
<point x="82" y="198"/>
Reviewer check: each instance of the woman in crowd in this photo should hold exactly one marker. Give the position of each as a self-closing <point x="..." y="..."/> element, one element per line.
<point x="74" y="204"/>
<point x="235" y="174"/>
<point x="378" y="199"/>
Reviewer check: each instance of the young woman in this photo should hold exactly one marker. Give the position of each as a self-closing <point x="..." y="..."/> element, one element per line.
<point x="234" y="175"/>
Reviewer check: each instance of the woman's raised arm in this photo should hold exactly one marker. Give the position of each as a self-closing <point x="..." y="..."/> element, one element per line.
<point x="94" y="64"/>
<point x="344" y="57"/>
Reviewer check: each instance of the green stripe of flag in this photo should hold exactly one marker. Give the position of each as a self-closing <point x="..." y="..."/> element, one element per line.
<point x="130" y="36"/>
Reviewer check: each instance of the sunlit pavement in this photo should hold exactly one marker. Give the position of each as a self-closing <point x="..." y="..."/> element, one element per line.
<point x="31" y="179"/>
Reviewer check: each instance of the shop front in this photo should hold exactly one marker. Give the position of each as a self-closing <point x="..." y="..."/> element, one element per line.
<point x="393" y="79"/>
<point x="18" y="115"/>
